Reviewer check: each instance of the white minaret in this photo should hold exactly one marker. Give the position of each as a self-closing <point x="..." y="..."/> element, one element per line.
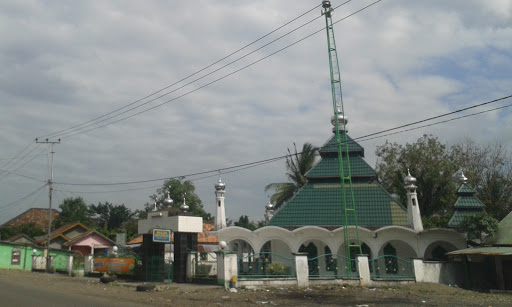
<point x="220" y="218"/>
<point x="413" y="208"/>
<point x="269" y="211"/>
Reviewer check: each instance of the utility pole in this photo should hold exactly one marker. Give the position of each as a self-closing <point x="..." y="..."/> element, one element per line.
<point x="50" y="186"/>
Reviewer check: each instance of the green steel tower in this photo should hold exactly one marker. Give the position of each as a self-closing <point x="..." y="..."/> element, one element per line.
<point x="351" y="235"/>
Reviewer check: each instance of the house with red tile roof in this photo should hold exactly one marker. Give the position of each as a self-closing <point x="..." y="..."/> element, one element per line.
<point x="38" y="216"/>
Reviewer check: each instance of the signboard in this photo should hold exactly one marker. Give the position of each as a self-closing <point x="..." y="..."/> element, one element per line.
<point x="162" y="235"/>
<point x="119" y="265"/>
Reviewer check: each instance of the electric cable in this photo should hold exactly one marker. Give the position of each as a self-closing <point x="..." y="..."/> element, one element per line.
<point x="283" y="157"/>
<point x="70" y="134"/>
<point x="183" y="79"/>
<point x="23" y="198"/>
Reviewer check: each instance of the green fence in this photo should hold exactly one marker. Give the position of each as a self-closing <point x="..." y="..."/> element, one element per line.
<point x="390" y="266"/>
<point x="332" y="266"/>
<point x="266" y="265"/>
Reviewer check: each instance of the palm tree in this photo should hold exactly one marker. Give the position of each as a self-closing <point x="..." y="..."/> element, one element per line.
<point x="297" y="165"/>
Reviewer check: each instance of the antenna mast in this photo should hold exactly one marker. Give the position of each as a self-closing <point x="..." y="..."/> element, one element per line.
<point x="339" y="121"/>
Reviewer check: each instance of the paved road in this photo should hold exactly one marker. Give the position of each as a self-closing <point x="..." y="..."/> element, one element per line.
<point x="28" y="294"/>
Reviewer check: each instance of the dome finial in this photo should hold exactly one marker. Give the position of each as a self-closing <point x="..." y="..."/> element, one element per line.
<point x="409" y="179"/>
<point x="168" y="201"/>
<point x="220" y="185"/>
<point x="184" y="207"/>
<point x="462" y="178"/>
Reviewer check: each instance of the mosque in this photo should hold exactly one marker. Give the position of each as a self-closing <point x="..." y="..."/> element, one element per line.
<point x="311" y="221"/>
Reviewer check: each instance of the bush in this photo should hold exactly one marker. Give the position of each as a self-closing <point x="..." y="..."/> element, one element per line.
<point x="277" y="269"/>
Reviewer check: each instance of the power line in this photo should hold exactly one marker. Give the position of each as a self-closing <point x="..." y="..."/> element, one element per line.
<point x="176" y="177"/>
<point x="18" y="174"/>
<point x="439" y="116"/>
<point x="12" y="171"/>
<point x="181" y="80"/>
<point x="23" y="198"/>
<point x="69" y="134"/>
<point x="437" y="123"/>
<point x="257" y="163"/>
<point x="14" y="158"/>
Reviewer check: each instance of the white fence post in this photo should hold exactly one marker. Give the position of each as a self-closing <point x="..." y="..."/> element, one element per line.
<point x="227" y="269"/>
<point x="301" y="269"/>
<point x="364" y="270"/>
<point x="419" y="269"/>
<point x="191" y="260"/>
<point x="88" y="264"/>
<point x="69" y="265"/>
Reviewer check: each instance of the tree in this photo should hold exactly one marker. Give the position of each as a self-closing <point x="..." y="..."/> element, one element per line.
<point x="29" y="229"/>
<point x="479" y="226"/>
<point x="178" y="191"/>
<point x="111" y="216"/>
<point x="430" y="162"/>
<point x="244" y="222"/>
<point x="74" y="210"/>
<point x="297" y="165"/>
<point x="488" y="168"/>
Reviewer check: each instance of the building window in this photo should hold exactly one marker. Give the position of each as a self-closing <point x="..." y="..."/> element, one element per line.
<point x="15" y="256"/>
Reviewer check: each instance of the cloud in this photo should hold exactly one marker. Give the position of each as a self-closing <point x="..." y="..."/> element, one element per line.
<point x="66" y="63"/>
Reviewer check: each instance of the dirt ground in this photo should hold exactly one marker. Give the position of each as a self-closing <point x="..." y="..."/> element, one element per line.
<point x="419" y="294"/>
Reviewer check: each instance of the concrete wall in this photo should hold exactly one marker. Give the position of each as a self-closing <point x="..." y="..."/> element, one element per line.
<point x="408" y="243"/>
<point x="447" y="273"/>
<point x="25" y="257"/>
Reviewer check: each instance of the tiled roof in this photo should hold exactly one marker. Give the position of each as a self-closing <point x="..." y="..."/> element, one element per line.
<point x="21" y="237"/>
<point x="332" y="145"/>
<point x="38" y="216"/>
<point x="466" y="204"/>
<point x="328" y="167"/>
<point x="503" y="235"/>
<point x="86" y="234"/>
<point x="465" y="189"/>
<point x="60" y="232"/>
<point x="320" y="204"/>
<point x="459" y="215"/>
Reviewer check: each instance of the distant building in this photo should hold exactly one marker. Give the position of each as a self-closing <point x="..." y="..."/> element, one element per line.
<point x="38" y="216"/>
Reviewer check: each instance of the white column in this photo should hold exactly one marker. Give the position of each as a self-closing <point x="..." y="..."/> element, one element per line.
<point x="227" y="269"/>
<point x="364" y="271"/>
<point x="302" y="269"/>
<point x="88" y="264"/>
<point x="419" y="270"/>
<point x="190" y="265"/>
<point x="69" y="265"/>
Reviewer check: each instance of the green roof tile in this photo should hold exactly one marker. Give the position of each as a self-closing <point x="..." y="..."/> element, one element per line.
<point x="503" y="235"/>
<point x="468" y="202"/>
<point x="328" y="167"/>
<point x="332" y="145"/>
<point x="459" y="215"/>
<point x="320" y="204"/>
<point x="464" y="189"/>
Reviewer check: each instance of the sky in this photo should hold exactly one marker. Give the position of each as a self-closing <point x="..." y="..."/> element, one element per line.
<point x="65" y="63"/>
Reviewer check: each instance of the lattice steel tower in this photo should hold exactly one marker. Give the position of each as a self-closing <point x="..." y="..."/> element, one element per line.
<point x="339" y="120"/>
